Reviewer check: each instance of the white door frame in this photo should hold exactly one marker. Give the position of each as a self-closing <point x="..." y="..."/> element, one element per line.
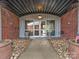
<point x="57" y="27"/>
<point x="0" y="25"/>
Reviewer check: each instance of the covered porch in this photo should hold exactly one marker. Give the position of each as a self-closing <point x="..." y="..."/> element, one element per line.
<point x="39" y="25"/>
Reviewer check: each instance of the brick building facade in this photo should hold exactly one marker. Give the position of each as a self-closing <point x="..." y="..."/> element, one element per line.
<point x="10" y="24"/>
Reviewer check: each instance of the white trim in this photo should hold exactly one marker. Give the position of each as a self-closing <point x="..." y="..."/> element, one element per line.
<point x="22" y="27"/>
<point x="78" y="21"/>
<point x="57" y="26"/>
<point x="0" y="25"/>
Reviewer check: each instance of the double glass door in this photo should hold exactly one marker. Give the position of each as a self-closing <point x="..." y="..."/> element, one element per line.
<point x="40" y="28"/>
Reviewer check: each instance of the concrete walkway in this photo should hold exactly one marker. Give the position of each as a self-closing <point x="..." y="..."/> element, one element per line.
<point x="39" y="49"/>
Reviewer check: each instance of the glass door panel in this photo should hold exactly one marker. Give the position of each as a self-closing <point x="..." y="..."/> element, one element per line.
<point x="36" y="28"/>
<point x="29" y="27"/>
<point x="43" y="25"/>
<point x="43" y="28"/>
<point x="36" y="32"/>
<point x="43" y="33"/>
<point x="40" y="28"/>
<point x="51" y="27"/>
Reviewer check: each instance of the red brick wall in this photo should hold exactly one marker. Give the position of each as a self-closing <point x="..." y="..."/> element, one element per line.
<point x="69" y="30"/>
<point x="10" y="24"/>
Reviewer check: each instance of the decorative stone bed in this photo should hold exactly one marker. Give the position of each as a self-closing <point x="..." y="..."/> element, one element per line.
<point x="18" y="47"/>
<point x="61" y="47"/>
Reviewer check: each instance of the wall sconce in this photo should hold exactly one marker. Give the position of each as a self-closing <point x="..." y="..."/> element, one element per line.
<point x="69" y="23"/>
<point x="10" y="23"/>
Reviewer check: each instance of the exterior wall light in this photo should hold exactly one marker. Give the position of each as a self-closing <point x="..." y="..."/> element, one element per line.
<point x="39" y="17"/>
<point x="69" y="23"/>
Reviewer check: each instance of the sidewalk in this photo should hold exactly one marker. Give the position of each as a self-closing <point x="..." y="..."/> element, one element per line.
<point x="39" y="49"/>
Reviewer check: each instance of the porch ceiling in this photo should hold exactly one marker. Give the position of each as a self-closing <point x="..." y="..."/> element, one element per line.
<point x="24" y="7"/>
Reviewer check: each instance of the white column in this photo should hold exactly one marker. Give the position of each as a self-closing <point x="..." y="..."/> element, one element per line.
<point x="58" y="27"/>
<point x="78" y="20"/>
<point x="39" y="28"/>
<point x="0" y="25"/>
<point x="22" y="27"/>
<point x="33" y="29"/>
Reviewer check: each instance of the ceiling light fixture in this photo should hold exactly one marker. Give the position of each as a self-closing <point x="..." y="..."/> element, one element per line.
<point x="39" y="16"/>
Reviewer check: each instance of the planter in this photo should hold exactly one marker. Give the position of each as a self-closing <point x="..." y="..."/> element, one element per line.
<point x="77" y="39"/>
<point x="74" y="49"/>
<point x="5" y="50"/>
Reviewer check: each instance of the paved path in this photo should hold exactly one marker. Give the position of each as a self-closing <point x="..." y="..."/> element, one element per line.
<point x="39" y="49"/>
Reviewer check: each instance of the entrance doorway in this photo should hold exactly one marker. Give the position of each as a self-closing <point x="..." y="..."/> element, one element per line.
<point x="42" y="28"/>
<point x="33" y="27"/>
